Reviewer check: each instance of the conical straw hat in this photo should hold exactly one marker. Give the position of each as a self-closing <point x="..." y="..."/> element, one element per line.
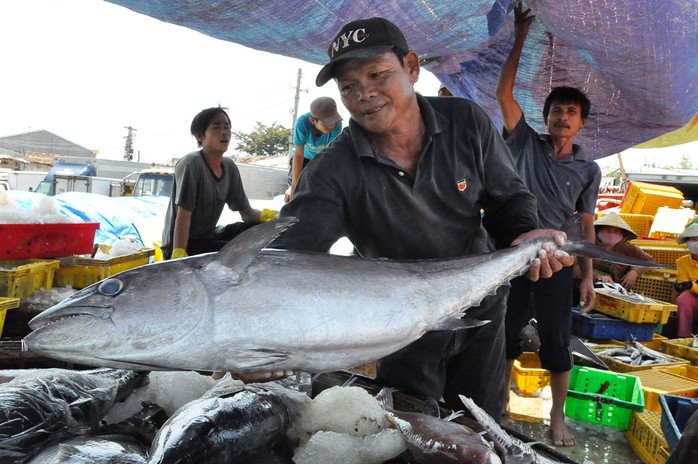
<point x="614" y="220"/>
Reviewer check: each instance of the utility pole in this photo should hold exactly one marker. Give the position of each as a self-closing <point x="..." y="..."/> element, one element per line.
<point x="295" y="114"/>
<point x="128" y="149"/>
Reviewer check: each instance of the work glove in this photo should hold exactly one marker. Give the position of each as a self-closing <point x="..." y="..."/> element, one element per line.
<point x="179" y="253"/>
<point x="268" y="215"/>
<point x="683" y="286"/>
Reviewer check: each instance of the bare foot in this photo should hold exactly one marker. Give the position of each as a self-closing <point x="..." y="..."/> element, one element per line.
<point x="559" y="432"/>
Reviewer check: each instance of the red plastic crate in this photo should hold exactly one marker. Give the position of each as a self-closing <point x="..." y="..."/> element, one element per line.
<point x="55" y="240"/>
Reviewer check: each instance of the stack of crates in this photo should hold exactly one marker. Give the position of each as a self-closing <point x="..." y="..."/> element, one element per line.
<point x="20" y="279"/>
<point x="646" y="198"/>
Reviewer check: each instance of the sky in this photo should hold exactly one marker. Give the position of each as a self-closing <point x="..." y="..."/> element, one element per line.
<point x="86" y="69"/>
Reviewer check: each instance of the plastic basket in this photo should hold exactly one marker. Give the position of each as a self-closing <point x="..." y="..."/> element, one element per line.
<point x="613" y="305"/>
<point x="676" y="410"/>
<point x="528" y="375"/>
<point x="664" y="252"/>
<point x="5" y="305"/>
<point x="82" y="272"/>
<point x="669" y="222"/>
<point x="645" y="436"/>
<point x="31" y="241"/>
<point x="656" y="382"/>
<point x="600" y="326"/>
<point x="686" y="371"/>
<point x="619" y="366"/>
<point x="657" y="285"/>
<point x="603" y="397"/>
<point x="21" y="278"/>
<point x="645" y="198"/>
<point x="681" y="347"/>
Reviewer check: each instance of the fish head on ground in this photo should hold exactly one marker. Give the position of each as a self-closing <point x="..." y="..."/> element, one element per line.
<point x="112" y="322"/>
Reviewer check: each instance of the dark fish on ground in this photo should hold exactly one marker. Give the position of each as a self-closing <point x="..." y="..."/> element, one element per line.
<point x="232" y="423"/>
<point x="230" y="310"/>
<point x="432" y="440"/>
<point x="513" y="450"/>
<point x="48" y="405"/>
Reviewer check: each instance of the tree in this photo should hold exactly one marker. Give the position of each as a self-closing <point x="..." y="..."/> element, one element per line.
<point x="264" y="140"/>
<point x="685" y="163"/>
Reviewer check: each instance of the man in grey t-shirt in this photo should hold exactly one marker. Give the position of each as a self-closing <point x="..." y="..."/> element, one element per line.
<point x="564" y="180"/>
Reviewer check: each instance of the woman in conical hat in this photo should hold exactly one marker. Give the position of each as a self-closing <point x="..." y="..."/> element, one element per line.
<point x="614" y="234"/>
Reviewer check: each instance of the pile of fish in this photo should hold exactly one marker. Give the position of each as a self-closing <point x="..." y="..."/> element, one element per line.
<point x="47" y="406"/>
<point x="51" y="416"/>
<point x="636" y="354"/>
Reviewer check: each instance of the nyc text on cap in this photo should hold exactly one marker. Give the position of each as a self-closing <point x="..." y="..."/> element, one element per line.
<point x="363" y="38"/>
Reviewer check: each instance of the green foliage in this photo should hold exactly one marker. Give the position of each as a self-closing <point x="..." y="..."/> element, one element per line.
<point x="264" y="140"/>
<point x="685" y="163"/>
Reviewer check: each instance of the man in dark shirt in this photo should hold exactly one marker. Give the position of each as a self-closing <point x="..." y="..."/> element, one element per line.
<point x="415" y="178"/>
<point x="564" y="180"/>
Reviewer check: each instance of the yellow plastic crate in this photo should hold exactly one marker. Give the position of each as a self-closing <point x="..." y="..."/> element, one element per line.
<point x="657" y="284"/>
<point x="639" y="223"/>
<point x="664" y="252"/>
<point x="21" y="278"/>
<point x="656" y="382"/>
<point x="82" y="272"/>
<point x="528" y="375"/>
<point x="686" y="371"/>
<point x="681" y="347"/>
<point x="5" y="305"/>
<point x="619" y="366"/>
<point x="644" y="433"/>
<point x="645" y="313"/>
<point x="645" y="198"/>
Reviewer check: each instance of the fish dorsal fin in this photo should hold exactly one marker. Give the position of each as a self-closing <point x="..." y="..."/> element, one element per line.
<point x="573" y="228"/>
<point x="239" y="253"/>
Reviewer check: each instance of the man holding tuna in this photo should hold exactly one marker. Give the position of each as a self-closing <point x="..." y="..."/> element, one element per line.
<point x="416" y="178"/>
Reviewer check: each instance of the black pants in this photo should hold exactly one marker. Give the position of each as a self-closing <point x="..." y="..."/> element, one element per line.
<point x="214" y="242"/>
<point x="550" y="302"/>
<point x="469" y="362"/>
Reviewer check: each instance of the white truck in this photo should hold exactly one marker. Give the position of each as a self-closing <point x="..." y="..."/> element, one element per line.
<point x="88" y="175"/>
<point x="26" y="181"/>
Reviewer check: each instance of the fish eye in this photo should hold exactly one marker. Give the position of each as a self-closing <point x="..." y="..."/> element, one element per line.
<point x="110" y="287"/>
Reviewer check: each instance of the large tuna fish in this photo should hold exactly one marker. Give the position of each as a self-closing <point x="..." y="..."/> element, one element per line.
<point x="248" y="309"/>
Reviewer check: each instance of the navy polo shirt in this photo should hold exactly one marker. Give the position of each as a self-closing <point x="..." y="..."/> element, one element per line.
<point x="562" y="187"/>
<point x="465" y="196"/>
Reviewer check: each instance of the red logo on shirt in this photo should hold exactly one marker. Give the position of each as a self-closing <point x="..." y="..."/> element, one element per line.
<point x="462" y="185"/>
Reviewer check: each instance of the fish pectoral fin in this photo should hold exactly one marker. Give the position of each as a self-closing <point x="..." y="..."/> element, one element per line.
<point x="454" y="323"/>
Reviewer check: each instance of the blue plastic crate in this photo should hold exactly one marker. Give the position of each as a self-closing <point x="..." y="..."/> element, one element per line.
<point x="676" y="410"/>
<point x="600" y="326"/>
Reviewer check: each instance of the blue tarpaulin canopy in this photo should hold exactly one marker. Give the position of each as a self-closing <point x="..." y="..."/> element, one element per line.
<point x="637" y="60"/>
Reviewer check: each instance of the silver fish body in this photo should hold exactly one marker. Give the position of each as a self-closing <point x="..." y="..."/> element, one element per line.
<point x="431" y="440"/>
<point x="513" y="450"/>
<point x="248" y="309"/>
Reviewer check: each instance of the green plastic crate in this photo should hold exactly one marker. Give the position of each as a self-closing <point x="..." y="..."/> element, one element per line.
<point x="603" y="397"/>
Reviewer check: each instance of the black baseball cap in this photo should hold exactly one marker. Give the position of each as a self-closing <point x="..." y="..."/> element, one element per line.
<point x="363" y="38"/>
